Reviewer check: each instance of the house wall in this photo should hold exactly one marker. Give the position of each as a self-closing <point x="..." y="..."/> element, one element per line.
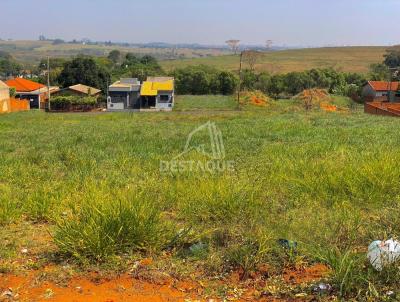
<point x="4" y="100"/>
<point x="368" y="94"/>
<point x="165" y="104"/>
<point x="123" y="100"/>
<point x="19" y="105"/>
<point x="4" y="94"/>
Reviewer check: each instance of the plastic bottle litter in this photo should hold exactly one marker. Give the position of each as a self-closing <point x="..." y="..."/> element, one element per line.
<point x="383" y="253"/>
<point x="322" y="289"/>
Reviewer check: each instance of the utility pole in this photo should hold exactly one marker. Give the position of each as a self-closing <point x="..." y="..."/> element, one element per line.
<point x="389" y="90"/>
<point x="48" y="81"/>
<point x="240" y="80"/>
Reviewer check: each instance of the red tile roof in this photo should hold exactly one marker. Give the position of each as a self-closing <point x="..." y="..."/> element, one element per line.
<point x="24" y="85"/>
<point x="384" y="86"/>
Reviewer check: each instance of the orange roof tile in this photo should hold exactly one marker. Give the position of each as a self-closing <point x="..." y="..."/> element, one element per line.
<point x="384" y="86"/>
<point x="24" y="85"/>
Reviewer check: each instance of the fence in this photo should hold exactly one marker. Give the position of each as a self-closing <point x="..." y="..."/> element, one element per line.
<point x="14" y="105"/>
<point x="19" y="105"/>
<point x="382" y="108"/>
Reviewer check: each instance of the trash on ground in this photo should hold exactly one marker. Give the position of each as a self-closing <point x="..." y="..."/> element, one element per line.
<point x="383" y="253"/>
<point x="288" y="244"/>
<point x="198" y="248"/>
<point x="322" y="289"/>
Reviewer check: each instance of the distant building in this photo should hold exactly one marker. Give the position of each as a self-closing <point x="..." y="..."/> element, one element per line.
<point x="158" y="93"/>
<point x="155" y="93"/>
<point x="78" y="90"/>
<point x="381" y="91"/>
<point x="124" y="95"/>
<point x="36" y="93"/>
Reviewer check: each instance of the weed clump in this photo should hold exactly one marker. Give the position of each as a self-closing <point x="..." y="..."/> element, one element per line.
<point x="101" y="227"/>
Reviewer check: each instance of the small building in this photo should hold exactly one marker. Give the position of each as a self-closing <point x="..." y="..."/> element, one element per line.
<point x="4" y="98"/>
<point x="36" y="93"/>
<point x="381" y="91"/>
<point x="158" y="93"/>
<point x="124" y="95"/>
<point x="78" y="90"/>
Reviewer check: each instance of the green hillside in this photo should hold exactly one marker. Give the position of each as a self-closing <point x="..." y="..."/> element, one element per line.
<point x="349" y="59"/>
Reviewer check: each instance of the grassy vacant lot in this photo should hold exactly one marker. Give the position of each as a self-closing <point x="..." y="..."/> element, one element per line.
<point x="201" y="103"/>
<point x="350" y="59"/>
<point x="89" y="185"/>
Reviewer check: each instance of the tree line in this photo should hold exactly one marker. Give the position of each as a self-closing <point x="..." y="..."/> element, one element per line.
<point x="100" y="72"/>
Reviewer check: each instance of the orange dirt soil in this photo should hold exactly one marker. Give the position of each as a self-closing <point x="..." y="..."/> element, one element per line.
<point x="306" y="275"/>
<point x="255" y="98"/>
<point x="30" y="287"/>
<point x="83" y="289"/>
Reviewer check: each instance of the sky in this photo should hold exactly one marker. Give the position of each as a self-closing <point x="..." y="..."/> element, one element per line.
<point x="285" y="22"/>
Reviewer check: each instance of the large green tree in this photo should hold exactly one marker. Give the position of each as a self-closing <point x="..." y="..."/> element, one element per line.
<point x="115" y="56"/>
<point x="140" y="68"/>
<point x="84" y="70"/>
<point x="8" y="65"/>
<point x="392" y="58"/>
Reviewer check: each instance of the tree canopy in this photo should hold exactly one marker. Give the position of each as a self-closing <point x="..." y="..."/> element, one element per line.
<point x="84" y="70"/>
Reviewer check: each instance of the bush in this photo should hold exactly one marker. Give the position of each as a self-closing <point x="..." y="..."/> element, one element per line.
<point x="104" y="226"/>
<point x="202" y="80"/>
<point x="287" y="85"/>
<point x="65" y="102"/>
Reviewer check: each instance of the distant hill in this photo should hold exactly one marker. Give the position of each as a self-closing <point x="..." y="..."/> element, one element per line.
<point x="31" y="52"/>
<point x="349" y="59"/>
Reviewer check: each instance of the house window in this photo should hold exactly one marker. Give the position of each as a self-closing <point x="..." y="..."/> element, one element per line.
<point x="118" y="97"/>
<point x="164" y="98"/>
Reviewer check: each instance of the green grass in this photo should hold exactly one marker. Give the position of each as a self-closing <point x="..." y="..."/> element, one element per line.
<point x="201" y="103"/>
<point x="349" y="59"/>
<point x="326" y="180"/>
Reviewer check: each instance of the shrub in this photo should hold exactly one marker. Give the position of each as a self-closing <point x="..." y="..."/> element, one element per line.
<point x="287" y="85"/>
<point x="201" y="80"/>
<point x="104" y="226"/>
<point x="65" y="101"/>
<point x="9" y="208"/>
<point x="13" y="92"/>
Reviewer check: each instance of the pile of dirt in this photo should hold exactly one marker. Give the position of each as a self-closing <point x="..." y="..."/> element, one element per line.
<point x="328" y="107"/>
<point x="254" y="98"/>
<point x="314" y="98"/>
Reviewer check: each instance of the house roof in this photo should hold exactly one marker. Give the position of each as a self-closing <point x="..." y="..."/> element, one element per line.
<point x="159" y="79"/>
<point x="151" y="88"/>
<point x="3" y="85"/>
<point x="384" y="86"/>
<point x="148" y="89"/>
<point x="24" y="85"/>
<point x="126" y="84"/>
<point x="85" y="89"/>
